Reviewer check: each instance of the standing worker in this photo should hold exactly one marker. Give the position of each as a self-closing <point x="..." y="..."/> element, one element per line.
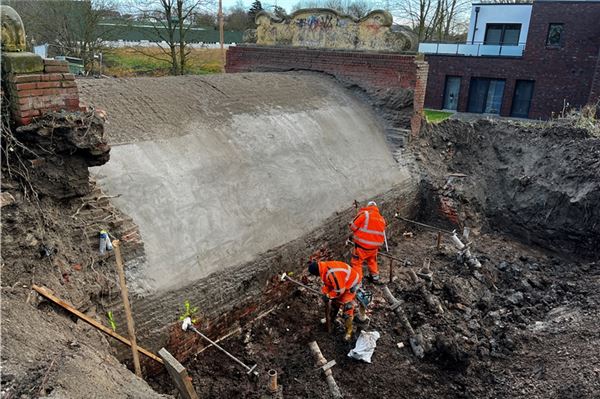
<point x="368" y="234"/>
<point x="340" y="284"/>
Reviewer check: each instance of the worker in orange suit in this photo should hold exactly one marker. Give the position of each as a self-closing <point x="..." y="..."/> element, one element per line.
<point x="368" y="234"/>
<point x="340" y="284"/>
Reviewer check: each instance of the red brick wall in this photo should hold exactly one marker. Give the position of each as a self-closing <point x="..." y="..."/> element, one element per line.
<point x="561" y="74"/>
<point x="367" y="70"/>
<point x="419" y="97"/>
<point x="595" y="90"/>
<point x="32" y="95"/>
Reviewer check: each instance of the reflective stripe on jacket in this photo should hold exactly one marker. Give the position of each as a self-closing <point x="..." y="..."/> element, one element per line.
<point x="369" y="228"/>
<point x="338" y="277"/>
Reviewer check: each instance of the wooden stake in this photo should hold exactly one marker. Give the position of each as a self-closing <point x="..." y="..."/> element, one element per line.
<point x="221" y="33"/>
<point x="439" y="240"/>
<point x="48" y="295"/>
<point x="391" y="270"/>
<point x="125" y="296"/>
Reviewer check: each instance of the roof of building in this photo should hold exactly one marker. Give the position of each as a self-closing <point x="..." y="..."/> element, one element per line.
<point x="492" y="3"/>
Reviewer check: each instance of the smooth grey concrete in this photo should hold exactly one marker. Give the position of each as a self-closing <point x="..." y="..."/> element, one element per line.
<point x="216" y="170"/>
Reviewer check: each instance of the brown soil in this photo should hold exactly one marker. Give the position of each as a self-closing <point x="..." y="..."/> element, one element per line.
<point x="524" y="325"/>
<point x="50" y="238"/>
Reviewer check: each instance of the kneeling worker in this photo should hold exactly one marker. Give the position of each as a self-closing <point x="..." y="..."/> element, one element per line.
<point x="340" y="284"/>
<point x="368" y="234"/>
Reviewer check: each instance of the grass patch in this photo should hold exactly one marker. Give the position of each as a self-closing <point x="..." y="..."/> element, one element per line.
<point x="433" y="116"/>
<point x="127" y="62"/>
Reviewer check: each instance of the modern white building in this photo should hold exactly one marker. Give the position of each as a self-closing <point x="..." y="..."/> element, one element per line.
<point x="494" y="30"/>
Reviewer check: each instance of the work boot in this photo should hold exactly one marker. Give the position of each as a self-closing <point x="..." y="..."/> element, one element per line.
<point x="348" y="325"/>
<point x="362" y="314"/>
<point x="375" y="279"/>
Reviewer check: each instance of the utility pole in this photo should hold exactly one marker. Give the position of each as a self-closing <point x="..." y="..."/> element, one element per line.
<point x="221" y="35"/>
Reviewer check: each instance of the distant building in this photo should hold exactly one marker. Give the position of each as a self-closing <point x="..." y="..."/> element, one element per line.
<point x="521" y="60"/>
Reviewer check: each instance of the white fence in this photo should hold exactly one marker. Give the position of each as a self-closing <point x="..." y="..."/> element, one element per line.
<point x="476" y="49"/>
<point x="149" y="44"/>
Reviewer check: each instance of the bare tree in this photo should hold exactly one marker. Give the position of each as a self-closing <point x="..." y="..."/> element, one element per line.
<point x="355" y="8"/>
<point x="433" y="19"/>
<point x="237" y="18"/>
<point x="171" y="21"/>
<point x="70" y="27"/>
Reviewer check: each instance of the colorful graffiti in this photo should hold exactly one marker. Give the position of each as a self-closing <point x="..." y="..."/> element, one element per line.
<point x="325" y="28"/>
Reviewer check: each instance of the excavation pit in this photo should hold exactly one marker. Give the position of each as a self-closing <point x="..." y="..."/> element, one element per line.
<point x="524" y="324"/>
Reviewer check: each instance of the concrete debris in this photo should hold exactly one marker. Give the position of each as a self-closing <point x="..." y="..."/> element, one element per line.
<point x="6" y="199"/>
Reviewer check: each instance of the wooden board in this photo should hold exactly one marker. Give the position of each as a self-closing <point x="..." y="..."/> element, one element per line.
<point x="179" y="375"/>
<point x="47" y="294"/>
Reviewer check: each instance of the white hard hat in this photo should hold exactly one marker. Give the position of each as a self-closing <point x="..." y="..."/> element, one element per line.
<point x="372" y="203"/>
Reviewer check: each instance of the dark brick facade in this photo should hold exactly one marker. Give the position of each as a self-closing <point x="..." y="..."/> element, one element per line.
<point x="371" y="71"/>
<point x="561" y="75"/>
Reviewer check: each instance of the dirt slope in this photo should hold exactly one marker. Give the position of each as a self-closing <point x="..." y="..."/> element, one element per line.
<point x="50" y="238"/>
<point x="539" y="182"/>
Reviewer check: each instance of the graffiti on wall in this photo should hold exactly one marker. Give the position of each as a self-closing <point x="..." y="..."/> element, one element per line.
<point x="325" y="28"/>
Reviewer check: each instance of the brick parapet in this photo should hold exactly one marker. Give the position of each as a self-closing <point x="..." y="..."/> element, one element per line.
<point x="373" y="72"/>
<point x="369" y="70"/>
<point x="35" y="94"/>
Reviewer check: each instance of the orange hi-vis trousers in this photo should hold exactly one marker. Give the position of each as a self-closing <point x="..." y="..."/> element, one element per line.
<point x="360" y="256"/>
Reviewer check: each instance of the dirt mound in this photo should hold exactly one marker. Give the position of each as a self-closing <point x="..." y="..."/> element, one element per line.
<point x="50" y="231"/>
<point x="540" y="182"/>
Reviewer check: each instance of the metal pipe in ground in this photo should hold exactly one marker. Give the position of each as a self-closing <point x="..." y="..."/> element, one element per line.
<point x="187" y="326"/>
<point x="275" y="391"/>
<point x="272" y="387"/>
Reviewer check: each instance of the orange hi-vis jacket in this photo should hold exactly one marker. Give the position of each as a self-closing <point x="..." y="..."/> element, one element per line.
<point x="338" y="278"/>
<point x="368" y="228"/>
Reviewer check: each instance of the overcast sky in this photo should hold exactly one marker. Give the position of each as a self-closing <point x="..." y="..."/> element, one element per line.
<point x="267" y="4"/>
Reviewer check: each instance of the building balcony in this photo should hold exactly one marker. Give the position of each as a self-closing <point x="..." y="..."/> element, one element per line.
<point x="475" y="49"/>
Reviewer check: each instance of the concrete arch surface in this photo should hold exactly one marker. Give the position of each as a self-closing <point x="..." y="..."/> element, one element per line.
<point x="218" y="169"/>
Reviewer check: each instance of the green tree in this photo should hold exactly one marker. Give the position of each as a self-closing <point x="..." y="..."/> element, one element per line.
<point x="255" y="8"/>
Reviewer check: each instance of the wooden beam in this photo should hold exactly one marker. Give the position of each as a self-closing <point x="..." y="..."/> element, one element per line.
<point x="179" y="375"/>
<point x="47" y="294"/>
<point x="125" y="296"/>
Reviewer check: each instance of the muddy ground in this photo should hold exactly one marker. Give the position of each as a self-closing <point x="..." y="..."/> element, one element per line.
<point x="524" y="325"/>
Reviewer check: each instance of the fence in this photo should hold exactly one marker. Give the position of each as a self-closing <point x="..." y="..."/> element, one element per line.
<point x="475" y="49"/>
<point x="149" y="44"/>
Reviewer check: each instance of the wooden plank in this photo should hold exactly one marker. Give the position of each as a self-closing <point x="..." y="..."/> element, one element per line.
<point x="47" y="294"/>
<point x="125" y="296"/>
<point x="179" y="375"/>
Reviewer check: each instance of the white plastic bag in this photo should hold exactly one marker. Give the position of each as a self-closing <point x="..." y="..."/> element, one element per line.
<point x="365" y="346"/>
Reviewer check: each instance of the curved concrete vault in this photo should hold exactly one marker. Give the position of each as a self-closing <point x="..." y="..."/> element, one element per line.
<point x="217" y="169"/>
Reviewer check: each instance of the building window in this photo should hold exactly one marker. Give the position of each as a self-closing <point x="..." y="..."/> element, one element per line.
<point x="485" y="95"/>
<point x="522" y="98"/>
<point x="555" y="35"/>
<point x="502" y="34"/>
<point x="451" y="92"/>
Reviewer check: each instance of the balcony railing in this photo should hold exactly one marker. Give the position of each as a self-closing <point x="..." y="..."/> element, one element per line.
<point x="475" y="49"/>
